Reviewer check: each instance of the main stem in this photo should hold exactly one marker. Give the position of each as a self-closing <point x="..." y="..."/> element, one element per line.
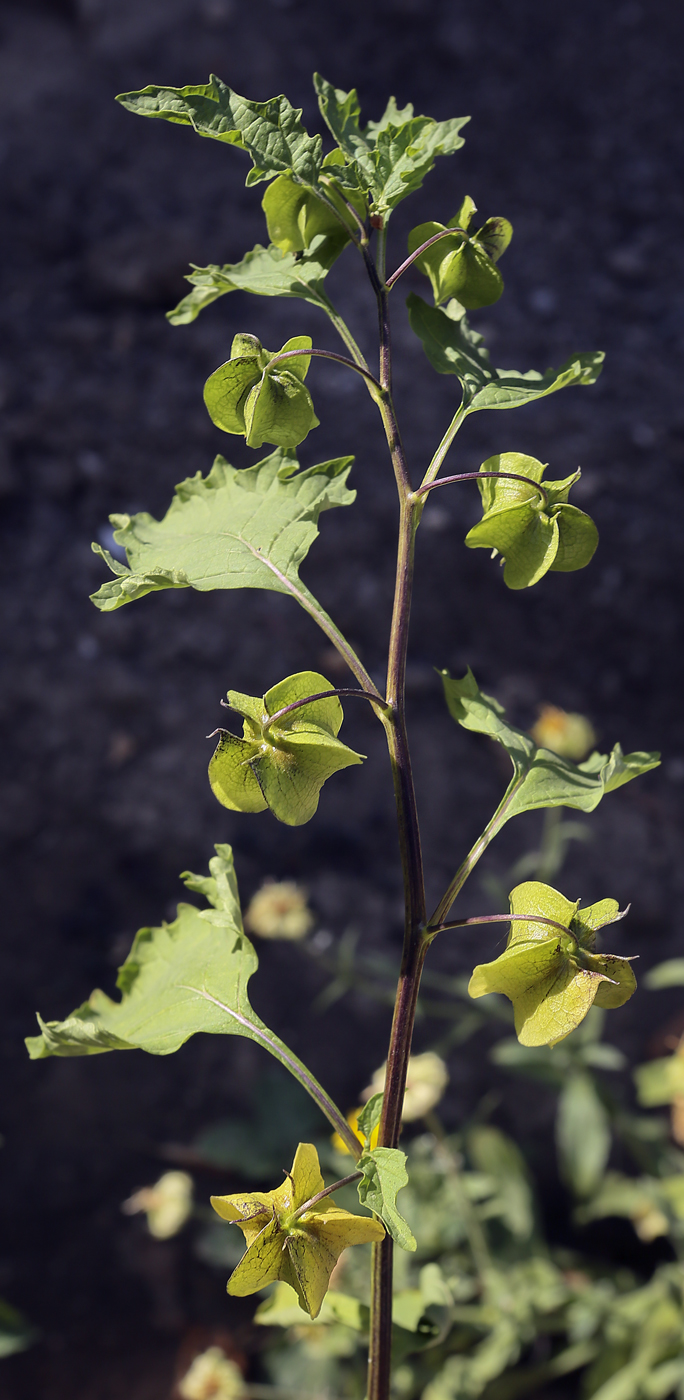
<point x="415" y="939"/>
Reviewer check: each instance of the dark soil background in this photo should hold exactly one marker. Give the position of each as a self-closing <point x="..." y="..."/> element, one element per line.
<point x="576" y="137"/>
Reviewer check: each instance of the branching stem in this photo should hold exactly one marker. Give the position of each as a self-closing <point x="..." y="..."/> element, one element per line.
<point x="326" y="355"/>
<point x="309" y="699"/>
<point x="477" y="476"/>
<point x="432" y="931"/>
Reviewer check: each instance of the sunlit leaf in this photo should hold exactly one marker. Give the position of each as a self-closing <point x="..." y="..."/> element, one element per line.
<point x="660" y="1081"/>
<point x="231" y="529"/>
<point x="281" y="766"/>
<point x="384" y="1174"/>
<point x="452" y="347"/>
<point x="282" y="1309"/>
<point x="540" y="778"/>
<point x="265" y="272"/>
<point x="270" y="132"/>
<point x="551" y="977"/>
<point x="301" y="1251"/>
<point x="666" y="974"/>
<point x="532" y="535"/>
<point x="582" y="1134"/>
<point x="296" y="215"/>
<point x="390" y="158"/>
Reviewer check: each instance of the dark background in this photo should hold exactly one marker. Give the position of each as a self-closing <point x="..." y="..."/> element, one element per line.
<point x="576" y="137"/>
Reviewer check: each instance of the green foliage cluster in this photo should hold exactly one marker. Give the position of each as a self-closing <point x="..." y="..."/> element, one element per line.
<point x="483" y="1286"/>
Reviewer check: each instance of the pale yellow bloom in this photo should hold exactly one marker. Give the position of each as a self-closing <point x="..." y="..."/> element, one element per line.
<point x="212" y="1377"/>
<point x="426" y="1081"/>
<point x="167" y="1204"/>
<point x="569" y="735"/>
<point x="279" y="910"/>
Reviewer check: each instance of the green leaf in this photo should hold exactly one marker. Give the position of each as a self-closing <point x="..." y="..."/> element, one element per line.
<point x="532" y="535"/>
<point x="453" y="348"/>
<point x="540" y="778"/>
<point x="660" y="1081"/>
<point x="582" y="1135"/>
<point x="463" y="267"/>
<point x="232" y="529"/>
<point x="265" y="402"/>
<point x="282" y="766"/>
<point x="389" y="158"/>
<point x="666" y="974"/>
<point x="270" y="132"/>
<point x="181" y="978"/>
<point x="265" y="272"/>
<point x="369" y="1116"/>
<point x="551" y="977"/>
<point x="282" y="1309"/>
<point x="16" y="1334"/>
<point x="384" y="1174"/>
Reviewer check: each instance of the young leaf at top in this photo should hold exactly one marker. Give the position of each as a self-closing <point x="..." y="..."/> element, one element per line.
<point x="463" y="266"/>
<point x="282" y="766"/>
<point x="266" y="404"/>
<point x="300" y="1250"/>
<point x="551" y="977"/>
<point x="531" y="534"/>
<point x="270" y="132"/>
<point x="389" y="158"/>
<point x="232" y="529"/>
<point x="265" y="272"/>
<point x="384" y="1174"/>
<point x="179" y="979"/>
<point x="540" y="778"/>
<point x="453" y="348"/>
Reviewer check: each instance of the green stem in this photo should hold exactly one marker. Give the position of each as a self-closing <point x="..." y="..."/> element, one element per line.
<point x="346" y="337"/>
<point x="444" y="446"/>
<point x="468" y="865"/>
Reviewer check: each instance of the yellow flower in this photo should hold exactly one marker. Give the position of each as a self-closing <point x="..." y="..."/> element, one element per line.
<point x="279" y="910"/>
<point x="353" y="1120"/>
<point x="569" y="735"/>
<point x="167" y="1204"/>
<point x="212" y="1377"/>
<point x="426" y="1081"/>
<point x="287" y="1243"/>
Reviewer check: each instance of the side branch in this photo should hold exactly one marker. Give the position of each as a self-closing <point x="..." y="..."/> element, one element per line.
<point x="309" y="699"/>
<point x="477" y="476"/>
<point x="326" y="355"/>
<point x="444" y="233"/>
<point x="432" y="931"/>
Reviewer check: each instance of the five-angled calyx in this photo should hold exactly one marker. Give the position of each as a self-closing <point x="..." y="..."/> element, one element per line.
<point x="301" y="1249"/>
<point x="553" y="977"/>
<point x="533" y="531"/>
<point x="281" y="764"/>
<point x="262" y="401"/>
<point x="463" y="266"/>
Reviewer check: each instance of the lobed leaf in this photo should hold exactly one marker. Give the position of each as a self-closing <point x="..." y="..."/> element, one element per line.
<point x="179" y="979"/>
<point x="389" y="158"/>
<point x="270" y="132"/>
<point x="265" y="272"/>
<point x="540" y="778"/>
<point x="384" y="1174"/>
<point x="452" y="347"/>
<point x="232" y="529"/>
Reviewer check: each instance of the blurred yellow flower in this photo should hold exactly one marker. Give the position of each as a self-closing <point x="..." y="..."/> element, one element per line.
<point x="426" y="1081"/>
<point x="167" y="1204"/>
<point x="279" y="910"/>
<point x="212" y="1377"/>
<point x="569" y="735"/>
<point x="353" y="1120"/>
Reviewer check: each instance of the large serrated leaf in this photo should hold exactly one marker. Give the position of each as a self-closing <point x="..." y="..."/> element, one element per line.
<point x="452" y="347"/>
<point x="270" y="132"/>
<point x="232" y="529"/>
<point x="265" y="272"/>
<point x="384" y="1174"/>
<point x="390" y="158"/>
<point x="540" y="778"/>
